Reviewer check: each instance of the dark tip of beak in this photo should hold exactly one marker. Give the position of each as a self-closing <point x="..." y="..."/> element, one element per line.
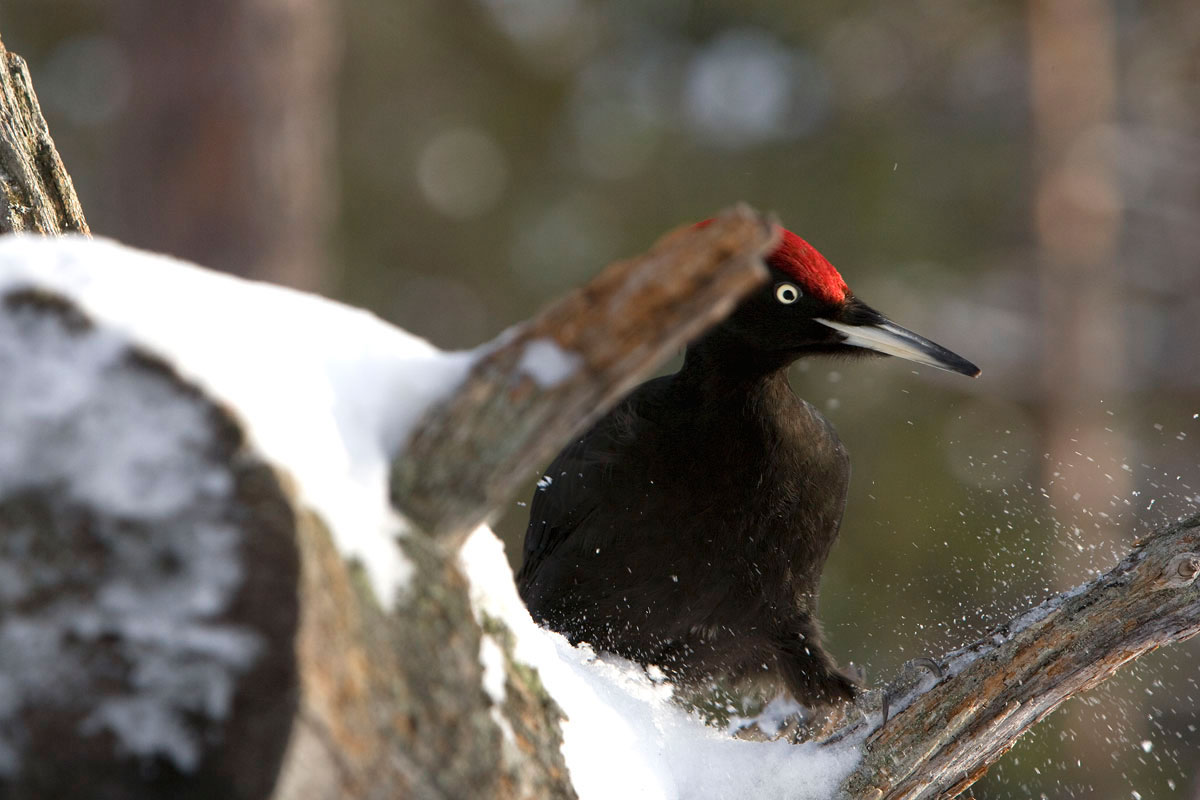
<point x="964" y="367"/>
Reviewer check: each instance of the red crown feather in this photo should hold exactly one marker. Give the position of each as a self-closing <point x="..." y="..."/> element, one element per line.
<point x="801" y="261"/>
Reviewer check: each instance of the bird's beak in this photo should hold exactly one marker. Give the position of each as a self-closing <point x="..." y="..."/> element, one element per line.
<point x="887" y="337"/>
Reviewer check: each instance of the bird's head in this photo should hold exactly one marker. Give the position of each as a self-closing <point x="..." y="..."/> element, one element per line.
<point x="807" y="308"/>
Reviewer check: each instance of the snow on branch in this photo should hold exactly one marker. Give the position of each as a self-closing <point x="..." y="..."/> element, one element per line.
<point x="944" y="733"/>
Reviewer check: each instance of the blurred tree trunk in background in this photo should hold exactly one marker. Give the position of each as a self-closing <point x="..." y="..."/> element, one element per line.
<point x="225" y="151"/>
<point x="1077" y="209"/>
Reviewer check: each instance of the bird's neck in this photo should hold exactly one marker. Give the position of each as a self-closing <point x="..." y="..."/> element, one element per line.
<point x="722" y="364"/>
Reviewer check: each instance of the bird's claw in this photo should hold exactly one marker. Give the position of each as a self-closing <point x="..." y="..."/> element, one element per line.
<point x="927" y="664"/>
<point x="856" y="673"/>
<point x="930" y="665"/>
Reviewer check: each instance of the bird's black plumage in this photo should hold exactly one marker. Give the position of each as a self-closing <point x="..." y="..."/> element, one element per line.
<point x="689" y="526"/>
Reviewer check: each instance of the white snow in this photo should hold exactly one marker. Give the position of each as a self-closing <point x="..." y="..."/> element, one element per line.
<point x="494" y="674"/>
<point x="547" y="363"/>
<point x="326" y="389"/>
<point x="623" y="736"/>
<point x="78" y="421"/>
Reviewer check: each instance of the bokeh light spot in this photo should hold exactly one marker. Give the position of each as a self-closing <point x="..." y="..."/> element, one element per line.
<point x="738" y="90"/>
<point x="462" y="172"/>
<point x="86" y="79"/>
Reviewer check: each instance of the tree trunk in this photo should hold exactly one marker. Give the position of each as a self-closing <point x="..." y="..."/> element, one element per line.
<point x="1078" y="223"/>
<point x="225" y="153"/>
<point x="38" y="194"/>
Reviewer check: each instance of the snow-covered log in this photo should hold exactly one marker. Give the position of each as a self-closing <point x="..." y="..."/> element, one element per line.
<point x="203" y="587"/>
<point x="37" y="192"/>
<point x="186" y="478"/>
<point x="131" y="512"/>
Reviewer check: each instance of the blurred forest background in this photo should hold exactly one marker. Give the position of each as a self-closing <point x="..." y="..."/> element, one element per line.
<point x="1019" y="181"/>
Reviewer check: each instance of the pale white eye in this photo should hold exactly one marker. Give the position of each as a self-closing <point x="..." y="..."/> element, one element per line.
<point x="787" y="293"/>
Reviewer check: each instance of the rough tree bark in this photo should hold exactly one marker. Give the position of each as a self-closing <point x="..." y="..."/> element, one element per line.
<point x="345" y="698"/>
<point x="38" y="194"/>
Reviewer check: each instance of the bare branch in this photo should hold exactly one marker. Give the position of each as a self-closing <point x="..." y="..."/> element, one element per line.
<point x="549" y="378"/>
<point x="945" y="738"/>
<point x="37" y="191"/>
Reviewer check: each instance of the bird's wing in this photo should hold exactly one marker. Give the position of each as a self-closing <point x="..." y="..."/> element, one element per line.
<point x="568" y="493"/>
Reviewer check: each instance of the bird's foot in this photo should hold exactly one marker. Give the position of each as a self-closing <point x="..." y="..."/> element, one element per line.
<point x="837" y="686"/>
<point x="930" y="665"/>
<point x="856" y="673"/>
<point x="781" y="718"/>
